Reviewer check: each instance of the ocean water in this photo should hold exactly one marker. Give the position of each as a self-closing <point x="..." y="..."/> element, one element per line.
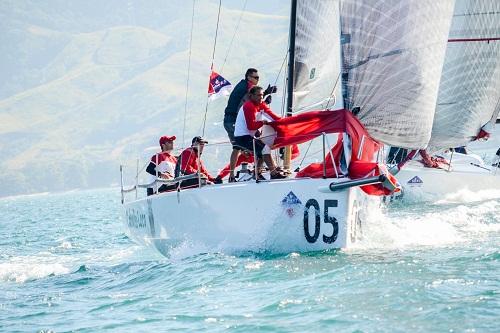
<point x="66" y="265"/>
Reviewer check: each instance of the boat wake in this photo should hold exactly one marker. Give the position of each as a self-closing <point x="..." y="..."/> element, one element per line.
<point x="442" y="224"/>
<point x="466" y="196"/>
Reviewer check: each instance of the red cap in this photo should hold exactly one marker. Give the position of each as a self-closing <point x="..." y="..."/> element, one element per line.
<point x="166" y="138"/>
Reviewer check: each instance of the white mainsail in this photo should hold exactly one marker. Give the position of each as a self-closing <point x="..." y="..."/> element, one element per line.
<point x="317" y="55"/>
<point x="393" y="53"/>
<point x="469" y="91"/>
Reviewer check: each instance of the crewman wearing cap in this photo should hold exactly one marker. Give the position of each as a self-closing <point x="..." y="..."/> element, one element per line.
<point x="162" y="165"/>
<point x="191" y="157"/>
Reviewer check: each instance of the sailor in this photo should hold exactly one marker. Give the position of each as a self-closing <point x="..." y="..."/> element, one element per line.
<point x="162" y="165"/>
<point x="246" y="129"/>
<point x="238" y="96"/>
<point x="485" y="131"/>
<point x="189" y="162"/>
<point x="244" y="157"/>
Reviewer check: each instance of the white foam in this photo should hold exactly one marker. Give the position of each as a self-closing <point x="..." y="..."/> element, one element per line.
<point x="22" y="269"/>
<point x="466" y="196"/>
<point x="187" y="249"/>
<point x="66" y="245"/>
<point x="455" y="224"/>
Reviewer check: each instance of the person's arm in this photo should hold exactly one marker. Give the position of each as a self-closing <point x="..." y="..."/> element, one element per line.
<point x="204" y="171"/>
<point x="240" y="90"/>
<point x="151" y="169"/>
<point x="249" y="112"/>
<point x="188" y="165"/>
<point x="269" y="112"/>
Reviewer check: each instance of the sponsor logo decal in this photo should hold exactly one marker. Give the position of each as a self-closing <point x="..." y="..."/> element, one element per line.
<point x="290" y="202"/>
<point x="136" y="219"/>
<point x="415" y="181"/>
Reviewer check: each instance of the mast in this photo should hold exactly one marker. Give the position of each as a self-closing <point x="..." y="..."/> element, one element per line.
<point x="291" y="63"/>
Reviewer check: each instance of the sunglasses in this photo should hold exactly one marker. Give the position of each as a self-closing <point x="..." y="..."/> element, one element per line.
<point x="255" y="77"/>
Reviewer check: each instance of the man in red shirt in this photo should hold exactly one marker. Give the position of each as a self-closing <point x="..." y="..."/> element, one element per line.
<point x="190" y="161"/>
<point x="238" y="97"/>
<point x="246" y="128"/>
<point x="162" y="165"/>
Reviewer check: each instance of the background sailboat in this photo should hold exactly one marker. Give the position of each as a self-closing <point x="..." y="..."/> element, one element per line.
<point x="469" y="98"/>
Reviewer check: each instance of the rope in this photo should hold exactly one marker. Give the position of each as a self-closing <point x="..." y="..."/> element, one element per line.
<point x="235" y="31"/>
<point x="187" y="81"/>
<point x="212" y="66"/>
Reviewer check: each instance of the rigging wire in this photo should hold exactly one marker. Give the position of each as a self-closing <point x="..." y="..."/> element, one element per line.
<point x="235" y="31"/>
<point x="187" y="81"/>
<point x="332" y="94"/>
<point x="281" y="68"/>
<point x="305" y="154"/>
<point x="212" y="65"/>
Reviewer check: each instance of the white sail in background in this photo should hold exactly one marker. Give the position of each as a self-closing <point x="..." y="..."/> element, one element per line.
<point x="393" y="54"/>
<point x="469" y="91"/>
<point x="317" y="83"/>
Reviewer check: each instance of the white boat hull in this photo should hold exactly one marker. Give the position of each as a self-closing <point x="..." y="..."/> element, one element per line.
<point x="467" y="173"/>
<point x="278" y="216"/>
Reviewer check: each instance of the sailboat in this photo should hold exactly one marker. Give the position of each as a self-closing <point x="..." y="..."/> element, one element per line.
<point x="383" y="68"/>
<point x="468" y="103"/>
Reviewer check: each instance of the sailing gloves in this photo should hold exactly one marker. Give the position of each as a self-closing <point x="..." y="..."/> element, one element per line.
<point x="269" y="90"/>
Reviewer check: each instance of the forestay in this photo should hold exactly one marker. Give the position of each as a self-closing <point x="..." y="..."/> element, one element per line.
<point x="469" y="91"/>
<point x="317" y="55"/>
<point x="393" y="53"/>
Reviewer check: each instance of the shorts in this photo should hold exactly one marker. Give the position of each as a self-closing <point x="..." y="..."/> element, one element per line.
<point x="246" y="142"/>
<point x="229" y="127"/>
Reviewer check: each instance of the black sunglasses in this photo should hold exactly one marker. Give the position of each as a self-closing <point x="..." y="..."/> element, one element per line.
<point x="255" y="77"/>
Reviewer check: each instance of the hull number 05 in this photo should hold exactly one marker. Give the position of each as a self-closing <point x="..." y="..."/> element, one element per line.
<point x="313" y="204"/>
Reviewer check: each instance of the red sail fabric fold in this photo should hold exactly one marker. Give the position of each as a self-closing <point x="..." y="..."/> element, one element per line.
<point x="307" y="126"/>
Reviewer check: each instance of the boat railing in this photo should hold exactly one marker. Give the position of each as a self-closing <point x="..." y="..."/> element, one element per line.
<point x="156" y="184"/>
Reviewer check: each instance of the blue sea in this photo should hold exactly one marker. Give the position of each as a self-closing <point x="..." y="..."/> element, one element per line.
<point x="66" y="265"/>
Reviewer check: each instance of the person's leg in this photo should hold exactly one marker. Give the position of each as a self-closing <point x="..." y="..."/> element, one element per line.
<point x="229" y="127"/>
<point x="268" y="159"/>
<point x="232" y="163"/>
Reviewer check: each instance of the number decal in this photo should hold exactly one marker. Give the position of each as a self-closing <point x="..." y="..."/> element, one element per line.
<point x="315" y="204"/>
<point x="331" y="220"/>
<point x="317" y="221"/>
